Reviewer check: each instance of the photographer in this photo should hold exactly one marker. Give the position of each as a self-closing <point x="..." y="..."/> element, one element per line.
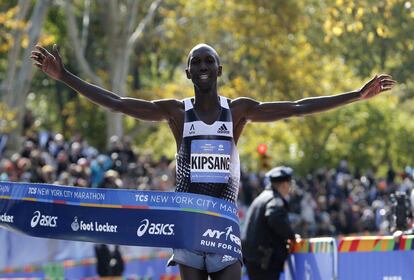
<point x="401" y="215"/>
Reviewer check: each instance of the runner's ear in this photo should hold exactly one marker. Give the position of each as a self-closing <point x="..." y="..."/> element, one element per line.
<point x="187" y="72"/>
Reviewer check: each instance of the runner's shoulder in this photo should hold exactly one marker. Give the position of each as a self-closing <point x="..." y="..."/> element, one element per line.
<point x="170" y="105"/>
<point x="241" y="106"/>
<point x="243" y="102"/>
<point x="172" y="108"/>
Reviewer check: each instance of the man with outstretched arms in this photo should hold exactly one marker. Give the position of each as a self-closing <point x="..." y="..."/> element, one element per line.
<point x="206" y="129"/>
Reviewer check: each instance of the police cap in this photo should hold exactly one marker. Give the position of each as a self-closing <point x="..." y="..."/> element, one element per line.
<point x="280" y="174"/>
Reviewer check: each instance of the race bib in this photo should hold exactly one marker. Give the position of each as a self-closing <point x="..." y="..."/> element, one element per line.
<point x="210" y="161"/>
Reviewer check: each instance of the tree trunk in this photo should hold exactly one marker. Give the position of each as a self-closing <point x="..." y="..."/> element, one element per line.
<point x="13" y="54"/>
<point x="19" y="78"/>
<point x="120" y="24"/>
<point x="122" y="59"/>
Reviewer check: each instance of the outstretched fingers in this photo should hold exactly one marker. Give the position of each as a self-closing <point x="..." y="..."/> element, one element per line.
<point x="384" y="76"/>
<point x="49" y="62"/>
<point x="44" y="52"/>
<point x="378" y="84"/>
<point x="56" y="53"/>
<point x="38" y="56"/>
<point x="386" y="83"/>
<point x="382" y="82"/>
<point x="387" y="86"/>
<point x="38" y="59"/>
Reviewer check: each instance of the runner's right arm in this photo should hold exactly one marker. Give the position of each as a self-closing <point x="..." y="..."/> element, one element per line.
<point x="51" y="64"/>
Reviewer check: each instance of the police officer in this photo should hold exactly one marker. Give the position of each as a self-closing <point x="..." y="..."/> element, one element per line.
<point x="267" y="232"/>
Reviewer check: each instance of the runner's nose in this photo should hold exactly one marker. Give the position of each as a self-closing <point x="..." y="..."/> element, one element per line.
<point x="203" y="67"/>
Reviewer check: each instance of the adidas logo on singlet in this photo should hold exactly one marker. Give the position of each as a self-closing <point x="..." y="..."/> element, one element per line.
<point x="223" y="129"/>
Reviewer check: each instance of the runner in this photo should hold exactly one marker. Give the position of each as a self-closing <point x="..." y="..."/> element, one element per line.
<point x="206" y="129"/>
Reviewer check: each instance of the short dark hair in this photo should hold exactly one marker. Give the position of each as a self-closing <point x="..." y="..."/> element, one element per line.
<point x="203" y="45"/>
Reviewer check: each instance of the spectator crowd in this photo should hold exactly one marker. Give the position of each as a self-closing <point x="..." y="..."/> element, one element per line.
<point x="326" y="202"/>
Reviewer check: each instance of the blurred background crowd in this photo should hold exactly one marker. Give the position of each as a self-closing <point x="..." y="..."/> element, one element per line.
<point x="329" y="201"/>
<point x="347" y="162"/>
<point x="270" y="50"/>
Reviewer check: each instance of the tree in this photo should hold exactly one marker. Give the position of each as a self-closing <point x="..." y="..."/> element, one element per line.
<point x="276" y="51"/>
<point x="123" y="33"/>
<point x="369" y="35"/>
<point x="24" y="32"/>
<point x="271" y="50"/>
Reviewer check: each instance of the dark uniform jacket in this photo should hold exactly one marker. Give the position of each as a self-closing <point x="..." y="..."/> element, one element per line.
<point x="267" y="231"/>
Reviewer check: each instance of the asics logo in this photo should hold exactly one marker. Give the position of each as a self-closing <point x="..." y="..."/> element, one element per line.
<point x="155" y="229"/>
<point x="43" y="220"/>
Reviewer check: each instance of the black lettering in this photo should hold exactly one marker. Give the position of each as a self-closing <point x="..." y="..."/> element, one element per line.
<point x="203" y="162"/>
<point x="210" y="162"/>
<point x="193" y="162"/>
<point x="217" y="163"/>
<point x="223" y="163"/>
<point x="199" y="163"/>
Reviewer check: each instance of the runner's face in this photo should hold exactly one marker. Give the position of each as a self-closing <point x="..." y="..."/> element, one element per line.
<point x="203" y="68"/>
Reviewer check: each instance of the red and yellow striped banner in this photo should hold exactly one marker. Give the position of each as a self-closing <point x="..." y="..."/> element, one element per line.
<point x="375" y="244"/>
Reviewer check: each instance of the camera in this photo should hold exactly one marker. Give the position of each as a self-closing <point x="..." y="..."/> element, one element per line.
<point x="400" y="211"/>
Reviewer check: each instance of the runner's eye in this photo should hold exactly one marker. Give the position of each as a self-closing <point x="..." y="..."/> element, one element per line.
<point x="195" y="61"/>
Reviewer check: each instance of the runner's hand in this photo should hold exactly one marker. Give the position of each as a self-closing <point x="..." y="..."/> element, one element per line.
<point x="377" y="85"/>
<point x="49" y="63"/>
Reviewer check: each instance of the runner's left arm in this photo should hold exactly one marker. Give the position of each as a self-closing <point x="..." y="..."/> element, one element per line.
<point x="271" y="111"/>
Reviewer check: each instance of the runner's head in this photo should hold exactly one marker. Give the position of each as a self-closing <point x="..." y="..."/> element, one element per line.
<point x="203" y="66"/>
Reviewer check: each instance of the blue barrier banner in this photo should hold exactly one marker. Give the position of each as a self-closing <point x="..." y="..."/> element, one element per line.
<point x="125" y="217"/>
<point x="381" y="257"/>
<point x="314" y="258"/>
<point x="144" y="267"/>
<point x="317" y="266"/>
<point x="394" y="265"/>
